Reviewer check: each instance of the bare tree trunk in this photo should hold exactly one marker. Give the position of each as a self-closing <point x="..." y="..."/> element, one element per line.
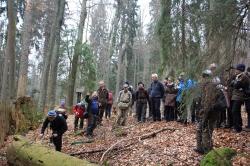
<point x="55" y="58"/>
<point x="77" y="52"/>
<point x="8" y="83"/>
<point x="47" y="60"/>
<point x="183" y="34"/>
<point x="248" y="40"/>
<point x="26" y="41"/>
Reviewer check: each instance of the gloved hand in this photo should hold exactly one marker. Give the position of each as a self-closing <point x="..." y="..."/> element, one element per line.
<point x="55" y="135"/>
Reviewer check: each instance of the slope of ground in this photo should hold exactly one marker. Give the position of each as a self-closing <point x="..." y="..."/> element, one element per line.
<point x="170" y="147"/>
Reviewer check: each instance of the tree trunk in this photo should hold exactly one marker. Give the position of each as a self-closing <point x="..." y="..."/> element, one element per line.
<point x="26" y="41"/>
<point x="183" y="34"/>
<point x="47" y="60"/>
<point x="77" y="52"/>
<point x="23" y="153"/>
<point x="55" y="58"/>
<point x="8" y="83"/>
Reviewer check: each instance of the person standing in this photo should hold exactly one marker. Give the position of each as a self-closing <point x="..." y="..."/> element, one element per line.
<point x="59" y="127"/>
<point x="123" y="102"/>
<point x="170" y="100"/>
<point x="78" y="110"/>
<point x="179" y="99"/>
<point x="239" y="84"/>
<point x="212" y="100"/>
<point x="156" y="94"/>
<point x="141" y="98"/>
<point x="103" y="96"/>
<point x="109" y="105"/>
<point x="93" y="112"/>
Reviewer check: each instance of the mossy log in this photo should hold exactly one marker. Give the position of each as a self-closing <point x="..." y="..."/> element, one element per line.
<point x="221" y="156"/>
<point x="23" y="153"/>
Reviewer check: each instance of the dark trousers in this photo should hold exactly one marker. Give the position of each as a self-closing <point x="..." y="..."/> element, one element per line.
<point x="156" y="103"/>
<point x="169" y="113"/>
<point x="141" y="109"/>
<point x="150" y="108"/>
<point x="108" y="111"/>
<point x="57" y="141"/>
<point x="237" y="120"/>
<point x="230" y="115"/>
<point x="91" y="124"/>
<point x="247" y="105"/>
<point x="101" y="112"/>
<point x="221" y="118"/>
<point x="76" y="122"/>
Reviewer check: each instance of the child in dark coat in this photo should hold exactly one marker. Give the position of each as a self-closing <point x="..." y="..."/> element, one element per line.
<point x="93" y="111"/>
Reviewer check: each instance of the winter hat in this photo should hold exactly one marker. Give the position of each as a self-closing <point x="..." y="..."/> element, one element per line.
<point x="52" y="113"/>
<point x="241" y="67"/>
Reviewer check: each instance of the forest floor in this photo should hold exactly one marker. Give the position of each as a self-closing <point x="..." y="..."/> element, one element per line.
<point x="173" y="146"/>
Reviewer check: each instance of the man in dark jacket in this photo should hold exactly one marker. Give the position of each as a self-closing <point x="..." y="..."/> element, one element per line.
<point x="103" y="96"/>
<point x="58" y="125"/>
<point x="239" y="84"/>
<point x="156" y="93"/>
<point x="141" y="98"/>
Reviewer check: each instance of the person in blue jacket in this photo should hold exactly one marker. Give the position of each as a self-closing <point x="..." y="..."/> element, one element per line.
<point x="93" y="112"/>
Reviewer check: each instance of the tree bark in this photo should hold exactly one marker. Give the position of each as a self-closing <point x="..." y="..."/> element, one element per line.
<point x="183" y="33"/>
<point x="23" y="153"/>
<point x="8" y="83"/>
<point x="25" y="49"/>
<point x="55" y="57"/>
<point x="47" y="60"/>
<point x="77" y="52"/>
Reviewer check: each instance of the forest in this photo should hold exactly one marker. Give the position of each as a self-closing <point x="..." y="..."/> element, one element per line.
<point x="54" y="53"/>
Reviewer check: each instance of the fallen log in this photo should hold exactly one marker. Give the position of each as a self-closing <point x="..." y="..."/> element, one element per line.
<point x="23" y="153"/>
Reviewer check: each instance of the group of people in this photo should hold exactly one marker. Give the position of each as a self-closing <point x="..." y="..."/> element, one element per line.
<point x="210" y="101"/>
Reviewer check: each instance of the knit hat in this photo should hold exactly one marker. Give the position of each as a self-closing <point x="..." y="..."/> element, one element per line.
<point x="241" y="67"/>
<point x="52" y="113"/>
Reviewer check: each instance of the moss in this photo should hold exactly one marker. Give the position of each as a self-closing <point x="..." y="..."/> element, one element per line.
<point x="221" y="157"/>
<point x="23" y="153"/>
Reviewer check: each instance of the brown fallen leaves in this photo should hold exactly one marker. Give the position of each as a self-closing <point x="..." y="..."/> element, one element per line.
<point x="166" y="148"/>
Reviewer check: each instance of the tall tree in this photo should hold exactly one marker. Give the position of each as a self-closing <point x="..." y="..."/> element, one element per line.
<point x="47" y="58"/>
<point x="8" y="83"/>
<point x="77" y="52"/>
<point x="55" y="56"/>
<point x="25" y="48"/>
